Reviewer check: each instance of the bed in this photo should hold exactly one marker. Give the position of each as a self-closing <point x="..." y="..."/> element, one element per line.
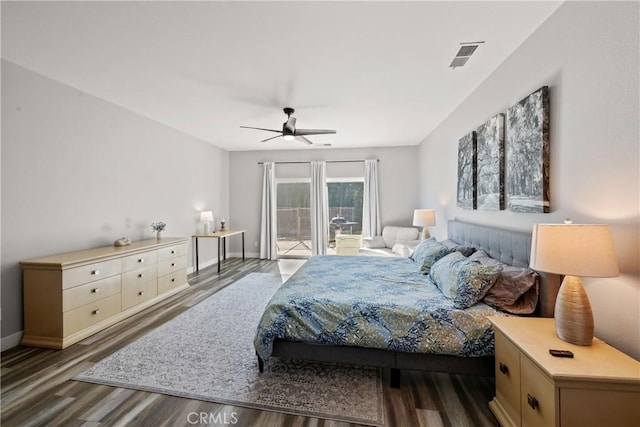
<point x="384" y="312"/>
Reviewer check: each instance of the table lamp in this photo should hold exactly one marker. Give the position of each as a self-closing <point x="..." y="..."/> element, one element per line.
<point x="424" y="218"/>
<point x="573" y="250"/>
<point x="206" y="217"/>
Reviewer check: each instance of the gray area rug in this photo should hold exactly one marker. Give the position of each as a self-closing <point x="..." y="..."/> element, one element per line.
<point x="207" y="353"/>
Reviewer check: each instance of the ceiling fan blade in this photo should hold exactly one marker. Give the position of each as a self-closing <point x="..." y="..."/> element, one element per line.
<point x="273" y="137"/>
<point x="303" y="139"/>
<point x="313" y="131"/>
<point x="269" y="130"/>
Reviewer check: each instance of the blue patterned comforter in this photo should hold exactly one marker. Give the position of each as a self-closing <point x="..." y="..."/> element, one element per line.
<point x="374" y="302"/>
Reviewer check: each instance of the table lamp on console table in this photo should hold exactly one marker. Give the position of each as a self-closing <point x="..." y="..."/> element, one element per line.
<point x="424" y="218"/>
<point x="206" y="217"/>
<point x="573" y="250"/>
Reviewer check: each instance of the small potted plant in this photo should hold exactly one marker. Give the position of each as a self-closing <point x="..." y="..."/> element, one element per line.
<point x="158" y="227"/>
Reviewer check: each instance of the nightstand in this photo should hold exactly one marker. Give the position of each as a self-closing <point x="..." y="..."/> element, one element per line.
<point x="348" y="244"/>
<point x="599" y="386"/>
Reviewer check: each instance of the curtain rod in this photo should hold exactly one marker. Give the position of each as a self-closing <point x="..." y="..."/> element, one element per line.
<point x="326" y="161"/>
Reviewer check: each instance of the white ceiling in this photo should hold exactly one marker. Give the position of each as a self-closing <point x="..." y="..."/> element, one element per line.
<point x="377" y="72"/>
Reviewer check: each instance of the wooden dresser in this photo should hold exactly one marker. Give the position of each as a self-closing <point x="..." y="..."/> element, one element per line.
<point x="71" y="296"/>
<point x="599" y="386"/>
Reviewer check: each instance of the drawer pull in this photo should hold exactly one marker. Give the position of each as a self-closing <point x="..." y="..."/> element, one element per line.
<point x="173" y="264"/>
<point x="95" y="290"/>
<point x="532" y="401"/>
<point x="504" y="368"/>
<point x="96" y="311"/>
<point x="173" y="280"/>
<point x="95" y="272"/>
<point x="141" y="260"/>
<point x="141" y="293"/>
<point x="173" y="252"/>
<point x="140" y="275"/>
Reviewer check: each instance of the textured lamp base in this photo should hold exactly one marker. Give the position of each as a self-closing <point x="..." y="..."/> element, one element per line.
<point x="573" y="316"/>
<point x="425" y="233"/>
<point x="207" y="228"/>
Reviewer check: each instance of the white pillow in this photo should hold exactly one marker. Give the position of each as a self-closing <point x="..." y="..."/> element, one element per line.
<point x="401" y="249"/>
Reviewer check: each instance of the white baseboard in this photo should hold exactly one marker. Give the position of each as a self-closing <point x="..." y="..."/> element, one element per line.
<point x="11" y="341"/>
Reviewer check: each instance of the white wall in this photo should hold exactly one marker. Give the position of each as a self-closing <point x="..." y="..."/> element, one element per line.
<point x="398" y="169"/>
<point x="79" y="172"/>
<point x="588" y="53"/>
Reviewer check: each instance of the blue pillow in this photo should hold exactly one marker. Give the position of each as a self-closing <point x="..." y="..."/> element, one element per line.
<point x="428" y="252"/>
<point x="463" y="280"/>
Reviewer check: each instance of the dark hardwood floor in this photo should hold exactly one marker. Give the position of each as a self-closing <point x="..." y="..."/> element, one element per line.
<point x="36" y="388"/>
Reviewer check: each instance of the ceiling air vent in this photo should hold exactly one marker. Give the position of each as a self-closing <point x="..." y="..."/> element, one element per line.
<point x="463" y="55"/>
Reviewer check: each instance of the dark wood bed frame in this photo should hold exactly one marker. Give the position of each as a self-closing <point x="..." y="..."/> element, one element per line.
<point x="510" y="247"/>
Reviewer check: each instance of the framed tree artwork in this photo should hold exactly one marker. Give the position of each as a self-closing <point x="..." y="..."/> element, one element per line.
<point x="490" y="164"/>
<point x="467" y="171"/>
<point x="527" y="153"/>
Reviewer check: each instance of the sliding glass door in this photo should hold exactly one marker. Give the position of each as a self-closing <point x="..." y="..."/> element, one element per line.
<point x="345" y="207"/>
<point x="293" y="215"/>
<point x="293" y="196"/>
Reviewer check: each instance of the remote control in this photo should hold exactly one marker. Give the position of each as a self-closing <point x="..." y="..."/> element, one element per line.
<point x="561" y="353"/>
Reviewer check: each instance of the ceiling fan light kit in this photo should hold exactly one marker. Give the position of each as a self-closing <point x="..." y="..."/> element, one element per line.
<point x="289" y="131"/>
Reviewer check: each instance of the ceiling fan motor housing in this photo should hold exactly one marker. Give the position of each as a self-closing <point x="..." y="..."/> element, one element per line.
<point x="289" y="127"/>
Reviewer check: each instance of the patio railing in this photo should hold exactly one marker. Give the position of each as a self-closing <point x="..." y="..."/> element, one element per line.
<point x="295" y="223"/>
<point x="294" y="227"/>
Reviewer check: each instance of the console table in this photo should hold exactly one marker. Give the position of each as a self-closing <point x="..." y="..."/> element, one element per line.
<point x="222" y="239"/>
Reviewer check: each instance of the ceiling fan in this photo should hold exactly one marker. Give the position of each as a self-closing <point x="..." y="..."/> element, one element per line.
<point x="289" y="131"/>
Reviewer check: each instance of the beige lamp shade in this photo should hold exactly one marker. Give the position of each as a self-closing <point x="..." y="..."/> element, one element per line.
<point x="424" y="218"/>
<point x="206" y="216"/>
<point x="573" y="250"/>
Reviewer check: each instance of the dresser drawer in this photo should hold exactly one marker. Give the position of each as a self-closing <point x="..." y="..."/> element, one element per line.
<point x="172" y="251"/>
<point x="171" y="280"/>
<point x="90" y="273"/>
<point x="538" y="399"/>
<point x="134" y="262"/>
<point x="134" y="278"/>
<point x="82" y="317"/>
<point x="90" y="292"/>
<point x="138" y="292"/>
<point x="507" y="362"/>
<point x="606" y="407"/>
<point x="171" y="265"/>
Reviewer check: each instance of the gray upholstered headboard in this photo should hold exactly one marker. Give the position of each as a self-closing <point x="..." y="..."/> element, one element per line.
<point x="510" y="247"/>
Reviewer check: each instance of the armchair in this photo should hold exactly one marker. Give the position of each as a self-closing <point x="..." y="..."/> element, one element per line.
<point x="395" y="241"/>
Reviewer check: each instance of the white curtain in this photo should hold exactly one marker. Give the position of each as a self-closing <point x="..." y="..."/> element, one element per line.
<point x="370" y="205"/>
<point x="319" y="209"/>
<point x="268" y="224"/>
